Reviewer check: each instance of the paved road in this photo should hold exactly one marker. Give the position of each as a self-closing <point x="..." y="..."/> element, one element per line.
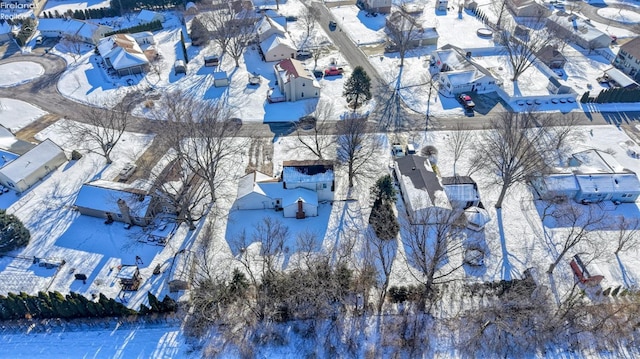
<point x="591" y="12"/>
<point x="43" y="93"/>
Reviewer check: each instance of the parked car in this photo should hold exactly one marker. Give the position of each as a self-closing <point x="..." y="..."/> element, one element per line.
<point x="333" y="71"/>
<point x="303" y="54"/>
<point x="318" y="74"/>
<point x="332" y="25"/>
<point x="466" y="101"/>
<point x="127" y="171"/>
<point x="397" y="150"/>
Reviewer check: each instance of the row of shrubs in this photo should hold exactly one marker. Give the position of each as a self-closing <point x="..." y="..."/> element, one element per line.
<point x="612" y="95"/>
<point x="151" y="26"/>
<point x="74" y="305"/>
<point x="82" y="14"/>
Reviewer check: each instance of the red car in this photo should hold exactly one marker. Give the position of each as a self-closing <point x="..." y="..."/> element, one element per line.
<point x="333" y="71"/>
<point x="466" y="101"/>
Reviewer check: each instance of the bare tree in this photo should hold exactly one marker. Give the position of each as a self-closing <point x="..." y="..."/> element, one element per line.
<point x="522" y="52"/>
<point x="204" y="137"/>
<point x="240" y="35"/>
<point x="356" y="147"/>
<point x="75" y="45"/>
<point x="511" y="149"/>
<point x="102" y="128"/>
<point x="459" y="142"/>
<point x="380" y="254"/>
<point x="318" y="139"/>
<point x="307" y="19"/>
<point x="432" y="241"/>
<point x="579" y="222"/>
<point x="628" y="234"/>
<point x="403" y="33"/>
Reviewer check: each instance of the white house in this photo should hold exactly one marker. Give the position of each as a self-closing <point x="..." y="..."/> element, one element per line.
<point x="423" y="195"/>
<point x="26" y="170"/>
<point x="295" y="82"/>
<point x="109" y="201"/>
<point x="123" y="54"/>
<point x="267" y="27"/>
<point x="5" y="31"/>
<point x="147" y="16"/>
<point x="85" y="31"/>
<point x="317" y="176"/>
<point x="381" y="6"/>
<point x="592" y="176"/>
<point x="459" y="73"/>
<point x="527" y="8"/>
<point x="578" y="29"/>
<point x="276" y="48"/>
<point x="256" y="190"/>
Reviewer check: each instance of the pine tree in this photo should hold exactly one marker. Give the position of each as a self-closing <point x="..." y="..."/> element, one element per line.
<point x="13" y="234"/>
<point x="585" y="97"/>
<point x="357" y="89"/>
<point x="154" y="303"/>
<point x="169" y="305"/>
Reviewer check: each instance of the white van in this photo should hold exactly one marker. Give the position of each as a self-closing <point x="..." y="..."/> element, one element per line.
<point x="411" y="150"/>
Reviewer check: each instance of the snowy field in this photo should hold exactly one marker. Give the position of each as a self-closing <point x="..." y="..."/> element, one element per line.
<point x="108" y="341"/>
<point x="621" y="15"/>
<point x="16" y="114"/>
<point x="62" y="6"/>
<point x="16" y="73"/>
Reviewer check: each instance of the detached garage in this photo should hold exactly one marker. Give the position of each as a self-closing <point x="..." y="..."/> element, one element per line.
<point x="26" y="170"/>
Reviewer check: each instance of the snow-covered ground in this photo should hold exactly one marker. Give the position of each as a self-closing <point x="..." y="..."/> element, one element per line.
<point x="98" y="341"/>
<point x="19" y="72"/>
<point x="16" y="114"/>
<point x="62" y="6"/>
<point x="621" y="15"/>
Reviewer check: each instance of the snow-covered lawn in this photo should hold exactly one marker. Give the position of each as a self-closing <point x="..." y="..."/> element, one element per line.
<point x="16" y="114"/>
<point x="622" y="15"/>
<point x="16" y="73"/>
<point x="62" y="6"/>
<point x="361" y="29"/>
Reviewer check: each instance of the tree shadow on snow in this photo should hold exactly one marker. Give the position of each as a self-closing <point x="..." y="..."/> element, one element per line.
<point x="507" y="271"/>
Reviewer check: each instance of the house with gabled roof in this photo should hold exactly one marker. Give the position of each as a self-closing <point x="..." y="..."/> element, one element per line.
<point x="267" y="27"/>
<point x="578" y="29"/>
<point x="590" y="176"/>
<point x="125" y="55"/>
<point x="295" y="82"/>
<point x="527" y="8"/>
<point x="26" y="170"/>
<point x="315" y="175"/>
<point x="423" y="195"/>
<point x="85" y="31"/>
<point x="113" y="202"/>
<point x="628" y="58"/>
<point x="552" y="57"/>
<point x="148" y="16"/>
<point x="276" y="48"/>
<point x="458" y="72"/>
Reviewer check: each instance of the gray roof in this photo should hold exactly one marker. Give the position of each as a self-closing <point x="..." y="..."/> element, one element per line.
<point x="632" y="48"/>
<point x="413" y="166"/>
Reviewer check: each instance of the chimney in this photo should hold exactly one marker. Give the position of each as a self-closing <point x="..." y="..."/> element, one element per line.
<point x="300" y="213"/>
<point x="124" y="210"/>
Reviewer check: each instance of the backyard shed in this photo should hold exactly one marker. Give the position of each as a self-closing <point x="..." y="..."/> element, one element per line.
<point x="114" y="204"/>
<point x="26" y="170"/>
<point x="179" y="67"/>
<point x="220" y="79"/>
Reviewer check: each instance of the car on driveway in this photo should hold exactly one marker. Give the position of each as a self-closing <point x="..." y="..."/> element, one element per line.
<point x="333" y="71"/>
<point x="466" y="101"/>
<point x="127" y="171"/>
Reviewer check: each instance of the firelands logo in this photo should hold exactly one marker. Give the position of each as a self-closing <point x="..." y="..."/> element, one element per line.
<point x="14" y="11"/>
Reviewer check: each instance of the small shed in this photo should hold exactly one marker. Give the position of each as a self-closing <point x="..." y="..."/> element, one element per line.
<point x="300" y="203"/>
<point x="220" y="79"/>
<point x="211" y="61"/>
<point x="129" y="276"/>
<point x="181" y="270"/>
<point x="442" y="5"/>
<point x="179" y="67"/>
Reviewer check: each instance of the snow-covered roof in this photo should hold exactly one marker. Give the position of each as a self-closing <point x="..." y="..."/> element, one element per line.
<point x="266" y="23"/>
<point x="220" y="75"/>
<point x="560" y="182"/>
<point x="461" y="78"/>
<point x="127" y="272"/>
<point x="122" y="50"/>
<point x="609" y="183"/>
<point x="71" y="27"/>
<point x="248" y="183"/>
<point x="461" y="192"/>
<point x="620" y="78"/>
<point x="148" y="16"/>
<point x="275" y="190"/>
<point x="274" y="41"/>
<point x="106" y="200"/>
<point x="10" y="143"/>
<point x="417" y="175"/>
<point x="593" y="161"/>
<point x="307" y="172"/>
<point x="577" y="25"/>
<point x="6" y="157"/>
<point x="31" y="161"/>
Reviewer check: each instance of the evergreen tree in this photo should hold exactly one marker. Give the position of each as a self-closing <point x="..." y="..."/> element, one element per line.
<point x="585" y="97"/>
<point x="13" y="234"/>
<point x="144" y="310"/>
<point x="154" y="303"/>
<point x="45" y="305"/>
<point x="357" y="89"/>
<point x="169" y="305"/>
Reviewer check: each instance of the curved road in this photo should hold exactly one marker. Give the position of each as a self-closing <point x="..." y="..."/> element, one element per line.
<point x="591" y="12"/>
